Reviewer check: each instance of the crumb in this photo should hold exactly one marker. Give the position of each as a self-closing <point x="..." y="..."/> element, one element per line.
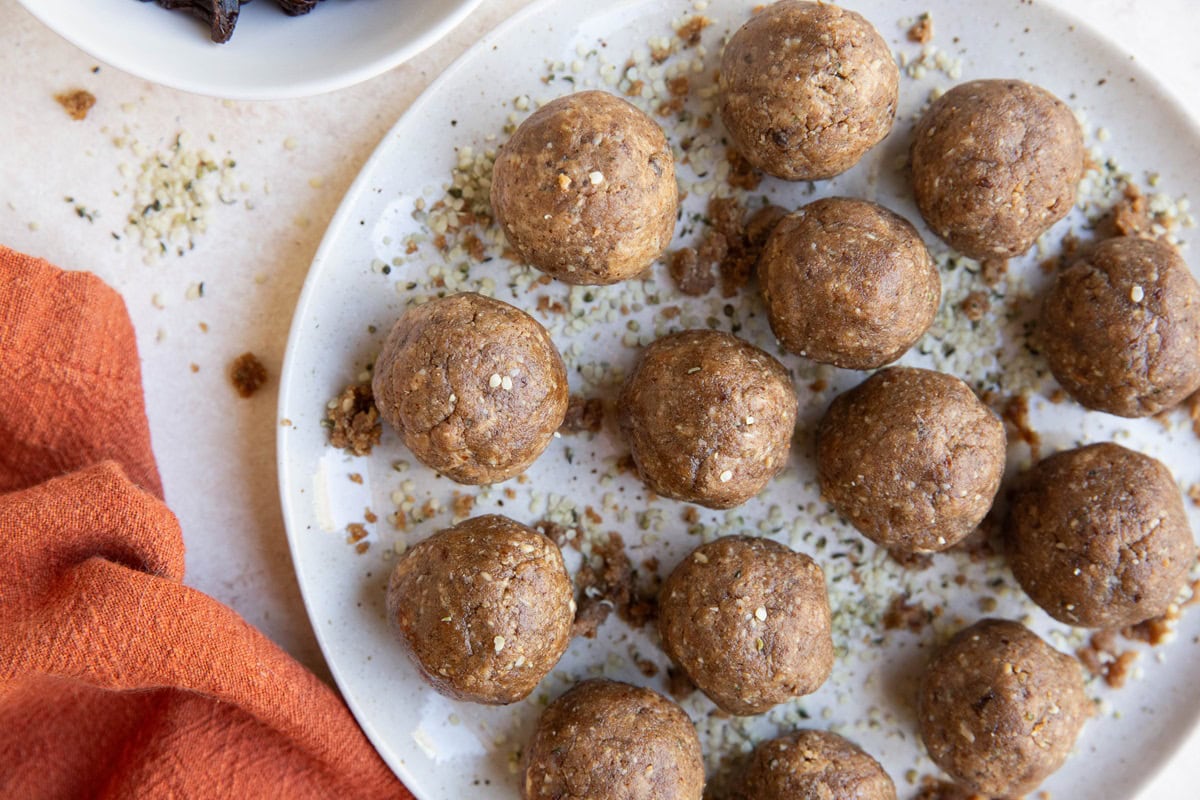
<point x="921" y="31"/>
<point x="1193" y="494"/>
<point x="1192" y="404"/>
<point x="742" y="174"/>
<point x="993" y="270"/>
<point x="917" y="561"/>
<point x="355" y="532"/>
<point x="689" y="32"/>
<point x="607" y="582"/>
<point x="362" y="547"/>
<point x="370" y="516"/>
<point x="194" y="367"/>
<point x="646" y="666"/>
<point x="1058" y="396"/>
<point x="818" y="386"/>
<point x="690" y="276"/>
<point x="247" y="374"/>
<point x="1101" y="658"/>
<point x="356" y="477"/>
<point x="462" y="506"/>
<point x="760" y="226"/>
<point x="583" y="414"/>
<point x="902" y="614"/>
<point x="552" y="531"/>
<point x="1154" y="631"/>
<point x="679" y="87"/>
<point x="77" y="103"/>
<point x="1016" y="414"/>
<point x="690" y="515"/>
<point x="679" y="685"/>
<point x="975" y="305"/>
<point x="353" y="420"/>
<point x="1131" y="215"/>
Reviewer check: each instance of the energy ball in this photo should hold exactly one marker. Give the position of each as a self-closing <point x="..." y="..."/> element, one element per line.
<point x="995" y="163"/>
<point x="814" y="764"/>
<point x="748" y="620"/>
<point x="605" y="740"/>
<point x="585" y="189"/>
<point x="848" y="283"/>
<point x="1098" y="537"/>
<point x="806" y="89"/>
<point x="708" y="417"/>
<point x="912" y="458"/>
<point x="473" y="386"/>
<point x="484" y="609"/>
<point x="1121" y="328"/>
<point x="999" y="709"/>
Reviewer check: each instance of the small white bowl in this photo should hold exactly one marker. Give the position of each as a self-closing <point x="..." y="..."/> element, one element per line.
<point x="271" y="55"/>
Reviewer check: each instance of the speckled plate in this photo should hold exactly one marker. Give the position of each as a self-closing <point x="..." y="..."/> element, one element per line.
<point x="364" y="275"/>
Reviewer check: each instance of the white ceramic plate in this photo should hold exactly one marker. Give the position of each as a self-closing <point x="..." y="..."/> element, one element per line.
<point x="271" y="55"/>
<point x="444" y="749"/>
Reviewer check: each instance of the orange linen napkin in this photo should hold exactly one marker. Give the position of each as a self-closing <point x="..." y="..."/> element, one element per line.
<point x="116" y="680"/>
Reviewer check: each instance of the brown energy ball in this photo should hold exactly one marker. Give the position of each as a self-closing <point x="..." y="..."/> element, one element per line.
<point x="484" y="609"/>
<point x="912" y="458"/>
<point x="848" y="283"/>
<point x="1098" y="537"/>
<point x="1121" y="328"/>
<point x="806" y="89"/>
<point x="585" y="189"/>
<point x="814" y="764"/>
<point x="708" y="417"/>
<point x="999" y="709"/>
<point x="995" y="163"/>
<point x="605" y="740"/>
<point x="748" y="620"/>
<point x="473" y="385"/>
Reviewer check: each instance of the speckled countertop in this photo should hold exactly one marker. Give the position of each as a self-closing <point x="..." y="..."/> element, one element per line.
<point x="295" y="160"/>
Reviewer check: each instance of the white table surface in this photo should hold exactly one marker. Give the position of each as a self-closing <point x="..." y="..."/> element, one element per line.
<point x="215" y="450"/>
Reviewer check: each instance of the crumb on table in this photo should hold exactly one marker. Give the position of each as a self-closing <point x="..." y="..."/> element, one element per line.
<point x="247" y="374"/>
<point x="583" y="414"/>
<point x="921" y="31"/>
<point x="77" y="102"/>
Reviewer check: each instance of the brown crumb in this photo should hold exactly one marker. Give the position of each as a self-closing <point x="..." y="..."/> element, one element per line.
<point x="818" y="386"/>
<point x="690" y="515"/>
<point x="356" y="532"/>
<point x="553" y="531"/>
<point x="354" y="420"/>
<point x="1193" y="494"/>
<point x="689" y="32"/>
<point x="975" y="305"/>
<point x="592" y="516"/>
<point x="980" y="544"/>
<point x="760" y="226"/>
<point x="1016" y="414"/>
<point x="902" y="614"/>
<point x="77" y="103"/>
<point x="462" y="505"/>
<point x="679" y="86"/>
<point x="679" y="685"/>
<point x="660" y="54"/>
<point x="1131" y="215"/>
<point x="917" y="561"/>
<point x="583" y="414"/>
<point x="1102" y="658"/>
<point x="247" y="374"/>
<point x="1058" y="396"/>
<point x="1154" y="631"/>
<point x="691" y="278"/>
<point x="1192" y="404"/>
<point x="934" y="789"/>
<point x="671" y="312"/>
<point x="993" y="270"/>
<point x="362" y="547"/>
<point x="356" y="477"/>
<point x="370" y="516"/>
<point x="921" y="31"/>
<point x="608" y="582"/>
<point x="672" y="106"/>
<point x="635" y="88"/>
<point x="194" y="367"/>
<point x="645" y="666"/>
<point x="742" y="174"/>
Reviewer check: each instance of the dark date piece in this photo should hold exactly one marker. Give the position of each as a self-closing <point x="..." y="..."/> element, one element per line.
<point x="221" y="15"/>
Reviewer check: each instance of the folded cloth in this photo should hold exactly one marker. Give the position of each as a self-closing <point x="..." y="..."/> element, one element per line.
<point x="116" y="680"/>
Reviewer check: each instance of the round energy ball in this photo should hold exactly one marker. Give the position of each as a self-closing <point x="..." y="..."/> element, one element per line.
<point x="1097" y="536"/>
<point x="585" y="189"/>
<point x="1121" y="328"/>
<point x="999" y="709"/>
<point x="814" y="764"/>
<point x="912" y="458"/>
<point x="995" y="163"/>
<point x="806" y="89"/>
<point x="708" y="417"/>
<point x="605" y="740"/>
<point x="748" y="620"/>
<point x="474" y="387"/>
<point x="484" y="609"/>
<point x="849" y="283"/>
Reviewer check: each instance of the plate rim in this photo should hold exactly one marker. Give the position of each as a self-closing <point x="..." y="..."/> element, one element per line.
<point x="1152" y="83"/>
<point x="266" y="91"/>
